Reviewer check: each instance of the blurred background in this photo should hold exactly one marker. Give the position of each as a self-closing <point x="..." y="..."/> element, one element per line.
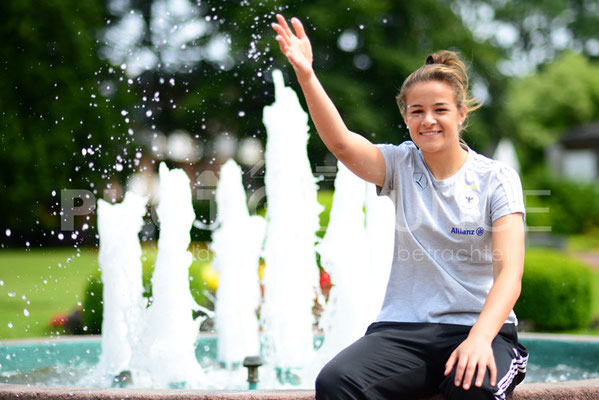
<point x="96" y="93"/>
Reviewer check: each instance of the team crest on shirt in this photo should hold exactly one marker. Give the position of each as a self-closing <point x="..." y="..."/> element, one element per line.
<point x="420" y="180"/>
<point x="468" y="199"/>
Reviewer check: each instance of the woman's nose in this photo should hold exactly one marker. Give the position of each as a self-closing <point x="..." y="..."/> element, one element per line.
<point x="429" y="119"/>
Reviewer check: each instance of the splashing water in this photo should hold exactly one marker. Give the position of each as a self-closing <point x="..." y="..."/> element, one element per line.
<point x="161" y="342"/>
<point x="290" y="276"/>
<point x="345" y="318"/>
<point x="169" y="331"/>
<point x="120" y="263"/>
<point x="237" y="244"/>
<point x="380" y="234"/>
<point x="364" y="269"/>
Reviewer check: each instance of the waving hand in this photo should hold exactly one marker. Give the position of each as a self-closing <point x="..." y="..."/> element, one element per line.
<point x="296" y="46"/>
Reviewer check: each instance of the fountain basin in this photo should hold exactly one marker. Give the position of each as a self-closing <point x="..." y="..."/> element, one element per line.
<point x="586" y="389"/>
<point x="559" y="357"/>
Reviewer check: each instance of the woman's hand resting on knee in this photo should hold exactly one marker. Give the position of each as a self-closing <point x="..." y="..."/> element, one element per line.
<point x="473" y="356"/>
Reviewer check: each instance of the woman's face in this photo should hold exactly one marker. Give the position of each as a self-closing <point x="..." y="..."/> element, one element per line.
<point x="432" y="116"/>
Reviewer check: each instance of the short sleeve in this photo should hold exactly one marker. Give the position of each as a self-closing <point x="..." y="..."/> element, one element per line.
<point x="506" y="195"/>
<point x="393" y="155"/>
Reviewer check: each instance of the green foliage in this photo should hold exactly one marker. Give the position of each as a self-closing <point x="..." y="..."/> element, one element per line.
<point x="325" y="198"/>
<point x="542" y="106"/>
<point x="93" y="306"/>
<point x="568" y="208"/>
<point x="563" y="94"/>
<point x="52" y="108"/>
<point x="45" y="282"/>
<point x="556" y="291"/>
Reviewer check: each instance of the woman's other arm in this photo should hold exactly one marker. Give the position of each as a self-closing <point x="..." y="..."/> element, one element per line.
<point x="474" y="356"/>
<point x="355" y="151"/>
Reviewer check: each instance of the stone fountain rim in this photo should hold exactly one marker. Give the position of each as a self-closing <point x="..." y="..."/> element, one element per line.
<point x="583" y="389"/>
<point x="85" y="338"/>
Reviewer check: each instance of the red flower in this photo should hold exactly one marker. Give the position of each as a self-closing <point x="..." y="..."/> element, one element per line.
<point x="59" y="320"/>
<point x="325" y="283"/>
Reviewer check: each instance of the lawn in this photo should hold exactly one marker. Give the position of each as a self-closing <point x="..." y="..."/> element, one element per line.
<point x="37" y="284"/>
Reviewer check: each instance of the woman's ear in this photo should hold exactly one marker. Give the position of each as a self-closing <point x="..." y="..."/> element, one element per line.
<point x="462" y="114"/>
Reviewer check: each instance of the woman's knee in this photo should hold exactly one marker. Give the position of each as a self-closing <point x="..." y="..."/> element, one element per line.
<point x="334" y="382"/>
<point x="452" y="392"/>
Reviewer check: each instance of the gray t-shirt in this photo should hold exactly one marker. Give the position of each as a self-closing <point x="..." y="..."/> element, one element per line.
<point x="442" y="263"/>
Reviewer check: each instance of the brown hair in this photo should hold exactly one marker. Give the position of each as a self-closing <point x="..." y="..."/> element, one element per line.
<point x="443" y="66"/>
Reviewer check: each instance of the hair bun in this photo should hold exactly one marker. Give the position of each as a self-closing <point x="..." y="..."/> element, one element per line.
<point x="445" y="57"/>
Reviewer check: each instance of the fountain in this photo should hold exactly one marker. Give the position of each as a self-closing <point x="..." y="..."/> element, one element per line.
<point x="157" y="345"/>
<point x="120" y="257"/>
<point x="290" y="277"/>
<point x="236" y="243"/>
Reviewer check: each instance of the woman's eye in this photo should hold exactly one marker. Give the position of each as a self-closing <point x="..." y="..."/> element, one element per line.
<point x="416" y="112"/>
<point x="441" y="109"/>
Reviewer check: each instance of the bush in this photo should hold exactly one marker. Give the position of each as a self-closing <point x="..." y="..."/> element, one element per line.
<point x="570" y="204"/>
<point x="93" y="305"/>
<point x="556" y="291"/>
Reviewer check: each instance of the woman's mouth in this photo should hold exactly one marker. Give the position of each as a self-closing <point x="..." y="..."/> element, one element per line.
<point x="430" y="133"/>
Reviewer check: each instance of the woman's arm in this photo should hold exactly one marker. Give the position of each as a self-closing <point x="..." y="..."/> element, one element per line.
<point x="475" y="355"/>
<point x="356" y="152"/>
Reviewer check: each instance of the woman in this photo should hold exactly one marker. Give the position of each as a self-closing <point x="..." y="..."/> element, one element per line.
<point x="447" y="324"/>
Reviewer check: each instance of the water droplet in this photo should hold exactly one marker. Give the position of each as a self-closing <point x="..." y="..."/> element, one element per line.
<point x="53" y="193"/>
<point x="10" y="326"/>
<point x="124" y="112"/>
<point x="171" y="81"/>
<point x="241" y="113"/>
<point x="149" y="113"/>
<point x="1" y="282"/>
<point x="26" y="312"/>
<point x="118" y="167"/>
<point x="8" y="232"/>
<point x="60" y="236"/>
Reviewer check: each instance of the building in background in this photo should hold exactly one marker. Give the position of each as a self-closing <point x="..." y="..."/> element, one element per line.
<point x="576" y="155"/>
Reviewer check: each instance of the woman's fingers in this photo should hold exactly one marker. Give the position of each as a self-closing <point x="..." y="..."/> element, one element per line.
<point x="280" y="31"/>
<point x="299" y="28"/>
<point x="284" y="25"/>
<point x="482" y="370"/>
<point x="450" y="362"/>
<point x="492" y="372"/>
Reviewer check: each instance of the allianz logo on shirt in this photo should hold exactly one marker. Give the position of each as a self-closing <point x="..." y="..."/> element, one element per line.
<point x="471" y="232"/>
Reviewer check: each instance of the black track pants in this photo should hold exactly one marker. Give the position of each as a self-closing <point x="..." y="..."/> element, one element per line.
<point x="406" y="361"/>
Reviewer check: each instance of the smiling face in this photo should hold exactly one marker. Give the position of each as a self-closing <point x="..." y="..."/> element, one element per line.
<point x="432" y="116"/>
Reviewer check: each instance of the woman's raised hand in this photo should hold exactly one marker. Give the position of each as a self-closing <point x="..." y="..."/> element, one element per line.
<point x="296" y="47"/>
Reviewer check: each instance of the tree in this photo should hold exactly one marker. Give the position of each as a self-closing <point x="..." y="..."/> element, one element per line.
<point x="51" y="109"/>
<point x="363" y="51"/>
<point x="533" y="32"/>
<point x="542" y="106"/>
<point x="61" y="98"/>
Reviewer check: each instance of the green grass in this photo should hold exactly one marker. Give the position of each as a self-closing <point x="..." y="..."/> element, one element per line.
<point x="588" y="242"/>
<point x="49" y="281"/>
<point x="42" y="282"/>
<point x="595" y="292"/>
